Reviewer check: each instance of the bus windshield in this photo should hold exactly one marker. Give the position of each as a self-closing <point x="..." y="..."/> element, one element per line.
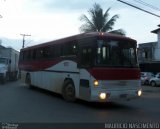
<point x="116" y="54"/>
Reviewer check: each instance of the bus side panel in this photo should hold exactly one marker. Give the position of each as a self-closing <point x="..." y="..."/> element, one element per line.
<point x="85" y="85"/>
<point x="36" y="79"/>
<point x="55" y="76"/>
<point x="52" y="81"/>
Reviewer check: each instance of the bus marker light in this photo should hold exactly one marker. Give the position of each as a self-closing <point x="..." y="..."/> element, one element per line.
<point x="102" y="96"/>
<point x="101" y="33"/>
<point x="96" y="83"/>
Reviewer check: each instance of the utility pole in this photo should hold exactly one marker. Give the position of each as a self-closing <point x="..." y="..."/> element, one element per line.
<point x="24" y="35"/>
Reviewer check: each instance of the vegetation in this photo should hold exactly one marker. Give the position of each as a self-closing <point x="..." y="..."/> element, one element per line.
<point x="99" y="21"/>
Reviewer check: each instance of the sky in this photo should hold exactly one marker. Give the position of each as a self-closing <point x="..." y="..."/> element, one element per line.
<point x="47" y="20"/>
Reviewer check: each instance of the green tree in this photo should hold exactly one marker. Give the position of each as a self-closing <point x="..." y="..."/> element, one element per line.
<point x="99" y="21"/>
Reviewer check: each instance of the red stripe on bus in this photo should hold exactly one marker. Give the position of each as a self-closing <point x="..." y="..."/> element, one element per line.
<point x="37" y="65"/>
<point x="97" y="73"/>
<point x="115" y="73"/>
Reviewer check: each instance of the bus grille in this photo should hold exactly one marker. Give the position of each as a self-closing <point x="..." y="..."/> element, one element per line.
<point x="120" y="84"/>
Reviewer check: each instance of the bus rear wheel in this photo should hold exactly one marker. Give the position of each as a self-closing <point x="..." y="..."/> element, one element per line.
<point x="68" y="91"/>
<point x="28" y="80"/>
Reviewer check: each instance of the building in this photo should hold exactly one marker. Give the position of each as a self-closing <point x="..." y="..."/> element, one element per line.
<point x="157" y="47"/>
<point x="146" y="52"/>
<point x="1" y="47"/>
<point x="149" y="54"/>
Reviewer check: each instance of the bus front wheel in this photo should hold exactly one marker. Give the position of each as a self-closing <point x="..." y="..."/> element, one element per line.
<point x="68" y="91"/>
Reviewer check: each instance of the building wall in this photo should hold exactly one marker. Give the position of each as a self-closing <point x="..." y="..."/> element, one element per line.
<point x="146" y="52"/>
<point x="158" y="39"/>
<point x="153" y="64"/>
<point x="157" y="54"/>
<point x="157" y="49"/>
<point x="1" y="47"/>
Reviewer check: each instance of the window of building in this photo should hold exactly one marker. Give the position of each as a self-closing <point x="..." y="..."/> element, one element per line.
<point x="145" y="54"/>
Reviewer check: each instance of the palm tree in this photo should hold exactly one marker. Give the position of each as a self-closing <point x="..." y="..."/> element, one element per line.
<point x="99" y="21"/>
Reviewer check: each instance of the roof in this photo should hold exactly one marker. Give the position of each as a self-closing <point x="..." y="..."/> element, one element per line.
<point x="146" y="45"/>
<point x="156" y="31"/>
<point x="80" y="36"/>
<point x="2" y="46"/>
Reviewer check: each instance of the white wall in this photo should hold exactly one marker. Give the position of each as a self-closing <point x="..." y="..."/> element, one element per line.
<point x="157" y="49"/>
<point x="158" y="34"/>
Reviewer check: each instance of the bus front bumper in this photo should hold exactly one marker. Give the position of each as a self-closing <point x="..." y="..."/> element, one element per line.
<point x="109" y="96"/>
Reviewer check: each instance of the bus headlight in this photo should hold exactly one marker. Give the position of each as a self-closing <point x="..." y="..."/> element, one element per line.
<point x="102" y="95"/>
<point x="96" y="83"/>
<point x="139" y="93"/>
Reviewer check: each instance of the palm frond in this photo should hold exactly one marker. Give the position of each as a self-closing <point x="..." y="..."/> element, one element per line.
<point x="118" y="32"/>
<point x="106" y="15"/>
<point x="99" y="21"/>
<point x="109" y="25"/>
<point x="88" y="24"/>
<point x="86" y="28"/>
<point x="96" y="14"/>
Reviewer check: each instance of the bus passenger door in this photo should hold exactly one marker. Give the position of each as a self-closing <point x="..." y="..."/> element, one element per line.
<point x="84" y="64"/>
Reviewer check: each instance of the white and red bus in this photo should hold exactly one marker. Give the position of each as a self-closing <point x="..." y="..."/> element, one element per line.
<point x="92" y="66"/>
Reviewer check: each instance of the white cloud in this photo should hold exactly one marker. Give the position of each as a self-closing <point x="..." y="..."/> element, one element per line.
<point x="52" y="19"/>
<point x="137" y="24"/>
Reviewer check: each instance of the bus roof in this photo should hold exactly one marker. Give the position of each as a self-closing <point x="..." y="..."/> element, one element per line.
<point x="79" y="36"/>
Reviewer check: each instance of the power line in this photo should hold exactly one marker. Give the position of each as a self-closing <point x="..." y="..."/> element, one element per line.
<point x="28" y="43"/>
<point x="24" y="35"/>
<point x="139" y="8"/>
<point x="146" y="4"/>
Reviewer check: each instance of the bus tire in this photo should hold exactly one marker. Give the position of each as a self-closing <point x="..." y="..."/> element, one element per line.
<point x="28" y="80"/>
<point x="68" y="91"/>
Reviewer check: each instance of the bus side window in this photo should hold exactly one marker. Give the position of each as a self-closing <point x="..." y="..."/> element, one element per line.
<point x="86" y="56"/>
<point x="39" y="53"/>
<point x="57" y="51"/>
<point x="34" y="54"/>
<point x="51" y="51"/>
<point x="29" y="55"/>
<point x="25" y="54"/>
<point x="46" y="53"/>
<point x="69" y="49"/>
<point x="21" y="56"/>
